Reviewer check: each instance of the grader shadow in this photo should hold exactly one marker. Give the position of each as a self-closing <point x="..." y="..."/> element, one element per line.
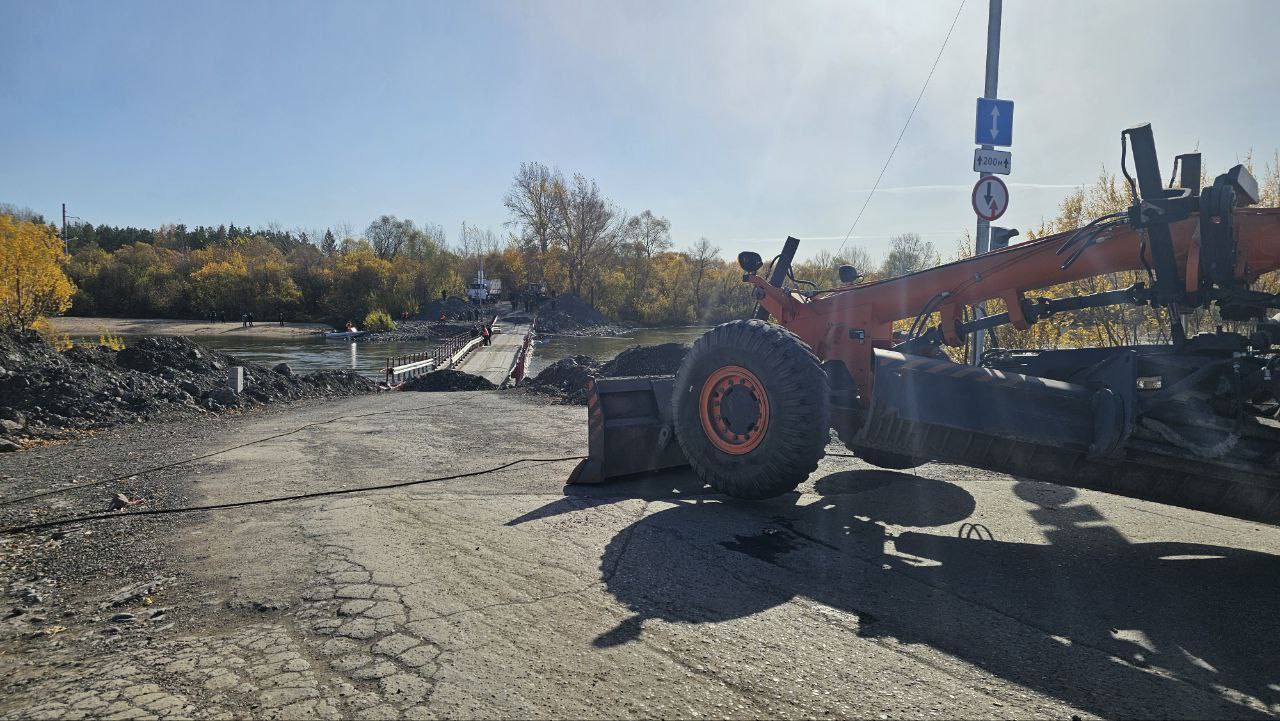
<point x="1113" y="627"/>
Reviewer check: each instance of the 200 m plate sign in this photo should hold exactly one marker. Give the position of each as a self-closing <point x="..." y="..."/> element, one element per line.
<point x="992" y="161"/>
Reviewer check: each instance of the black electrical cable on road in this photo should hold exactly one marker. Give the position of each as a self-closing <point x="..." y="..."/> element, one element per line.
<point x="193" y="459"/>
<point x="278" y="499"/>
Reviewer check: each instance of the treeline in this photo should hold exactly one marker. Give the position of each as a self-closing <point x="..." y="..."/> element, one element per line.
<point x="563" y="233"/>
<point x="561" y="230"/>
<point x="173" y="272"/>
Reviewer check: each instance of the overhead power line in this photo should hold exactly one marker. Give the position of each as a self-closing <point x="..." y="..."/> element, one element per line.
<point x="905" y="125"/>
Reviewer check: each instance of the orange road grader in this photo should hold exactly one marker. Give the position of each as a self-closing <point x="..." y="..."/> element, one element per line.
<point x="1192" y="421"/>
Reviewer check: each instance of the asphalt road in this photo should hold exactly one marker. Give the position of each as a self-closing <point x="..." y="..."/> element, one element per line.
<point x="939" y="593"/>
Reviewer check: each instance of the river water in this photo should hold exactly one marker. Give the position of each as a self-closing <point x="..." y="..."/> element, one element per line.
<point x="369" y="358"/>
<point x="553" y="348"/>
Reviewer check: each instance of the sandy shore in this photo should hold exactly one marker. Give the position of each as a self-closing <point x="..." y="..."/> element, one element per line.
<point x="151" y="326"/>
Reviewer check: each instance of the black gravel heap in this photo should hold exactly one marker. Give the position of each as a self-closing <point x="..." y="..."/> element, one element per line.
<point x="649" y="360"/>
<point x="417" y="330"/>
<point x="570" y="313"/>
<point x="447" y="380"/>
<point x="455" y="308"/>
<point x="49" y="394"/>
<point x="567" y="378"/>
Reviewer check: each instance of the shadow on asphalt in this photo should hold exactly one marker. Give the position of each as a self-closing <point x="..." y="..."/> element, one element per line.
<point x="670" y="486"/>
<point x="1090" y="618"/>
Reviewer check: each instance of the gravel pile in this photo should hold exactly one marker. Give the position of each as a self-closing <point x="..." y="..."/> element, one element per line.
<point x="566" y="379"/>
<point x="447" y="380"/>
<point x="46" y="394"/>
<point x="454" y="309"/>
<point x="570" y="314"/>
<point x="417" y="331"/>
<point x="650" y="360"/>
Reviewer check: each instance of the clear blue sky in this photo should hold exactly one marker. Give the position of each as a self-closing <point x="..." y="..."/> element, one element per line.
<point x="740" y="121"/>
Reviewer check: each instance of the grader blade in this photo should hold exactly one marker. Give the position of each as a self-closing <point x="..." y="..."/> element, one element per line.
<point x="1093" y="433"/>
<point x="629" y="429"/>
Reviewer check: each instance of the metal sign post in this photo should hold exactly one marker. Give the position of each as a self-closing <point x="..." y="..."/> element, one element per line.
<point x="983" y="234"/>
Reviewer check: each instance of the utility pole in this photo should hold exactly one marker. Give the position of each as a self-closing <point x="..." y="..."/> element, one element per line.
<point x="983" y="234"/>
<point x="64" y="228"/>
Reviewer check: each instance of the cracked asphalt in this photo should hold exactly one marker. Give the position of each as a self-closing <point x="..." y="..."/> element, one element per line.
<point x="943" y="592"/>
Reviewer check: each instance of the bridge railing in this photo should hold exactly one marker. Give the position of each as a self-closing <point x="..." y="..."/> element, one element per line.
<point x="402" y="367"/>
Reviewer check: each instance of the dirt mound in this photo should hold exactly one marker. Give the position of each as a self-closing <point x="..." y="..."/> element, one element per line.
<point x="447" y="380"/>
<point x="568" y="313"/>
<point x="48" y="394"/>
<point x="418" y="330"/>
<point x="158" y="354"/>
<point x="454" y="308"/>
<point x="650" y="360"/>
<point x="566" y="379"/>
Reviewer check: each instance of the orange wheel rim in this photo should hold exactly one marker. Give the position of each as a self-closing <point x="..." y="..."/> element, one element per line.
<point x="734" y="410"/>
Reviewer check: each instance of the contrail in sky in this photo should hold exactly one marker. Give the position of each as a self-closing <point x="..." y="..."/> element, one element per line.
<point x="926" y="188"/>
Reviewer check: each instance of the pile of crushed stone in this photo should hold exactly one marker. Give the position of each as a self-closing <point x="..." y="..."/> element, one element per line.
<point x="417" y="330"/>
<point x="455" y="309"/>
<point x="566" y="314"/>
<point x="47" y="394"/>
<point x="447" y="380"/>
<point x="566" y="379"/>
<point x="646" y="360"/>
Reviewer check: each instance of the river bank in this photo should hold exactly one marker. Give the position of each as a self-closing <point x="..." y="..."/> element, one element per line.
<point x="80" y="326"/>
<point x="47" y="394"/>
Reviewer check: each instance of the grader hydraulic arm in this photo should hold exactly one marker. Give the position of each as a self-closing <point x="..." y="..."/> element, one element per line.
<point x="1185" y="420"/>
<point x="848" y="323"/>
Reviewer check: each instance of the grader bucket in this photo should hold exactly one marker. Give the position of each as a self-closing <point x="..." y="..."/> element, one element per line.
<point x="629" y="429"/>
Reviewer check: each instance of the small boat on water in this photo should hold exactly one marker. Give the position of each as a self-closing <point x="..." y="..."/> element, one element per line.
<point x="345" y="334"/>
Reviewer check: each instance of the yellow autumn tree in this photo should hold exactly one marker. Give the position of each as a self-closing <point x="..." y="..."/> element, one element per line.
<point x="32" y="281"/>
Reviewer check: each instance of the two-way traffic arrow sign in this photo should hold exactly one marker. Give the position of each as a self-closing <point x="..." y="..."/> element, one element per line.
<point x="995" y="122"/>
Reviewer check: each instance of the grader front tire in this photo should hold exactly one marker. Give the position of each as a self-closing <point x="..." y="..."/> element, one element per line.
<point x="751" y="410"/>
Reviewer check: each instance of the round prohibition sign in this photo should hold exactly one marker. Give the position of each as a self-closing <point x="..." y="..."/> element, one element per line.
<point x="990" y="198"/>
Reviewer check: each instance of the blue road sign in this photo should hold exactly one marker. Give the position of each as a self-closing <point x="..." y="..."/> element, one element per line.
<point x="995" y="122"/>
